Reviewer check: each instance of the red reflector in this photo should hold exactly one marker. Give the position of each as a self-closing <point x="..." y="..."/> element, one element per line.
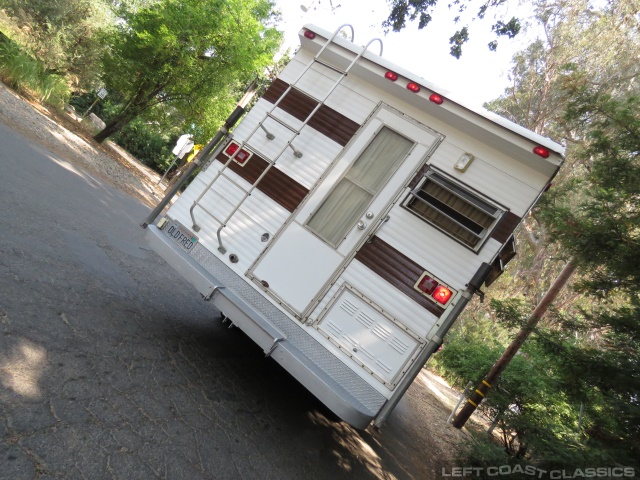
<point x="437" y="99"/>
<point x="391" y="76"/>
<point x="414" y="87"/>
<point x="309" y="34"/>
<point x="427" y="285"/>
<point x="441" y="294"/>
<point x="241" y="156"/>
<point x="543" y="152"/>
<point x="232" y="148"/>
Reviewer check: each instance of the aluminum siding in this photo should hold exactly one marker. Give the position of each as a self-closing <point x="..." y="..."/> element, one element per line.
<point x="448" y="260"/>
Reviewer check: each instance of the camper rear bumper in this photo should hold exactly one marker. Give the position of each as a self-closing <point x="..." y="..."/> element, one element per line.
<point x="315" y="367"/>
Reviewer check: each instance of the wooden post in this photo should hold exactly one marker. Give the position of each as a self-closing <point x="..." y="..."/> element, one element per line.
<point x="492" y="377"/>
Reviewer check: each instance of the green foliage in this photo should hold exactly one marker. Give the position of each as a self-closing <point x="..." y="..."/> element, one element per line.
<point x="191" y="55"/>
<point x="63" y="35"/>
<point x="422" y="10"/>
<point x="22" y="72"/>
<point x="580" y="83"/>
<point x="538" y="412"/>
<point x="148" y="144"/>
<point x="598" y="222"/>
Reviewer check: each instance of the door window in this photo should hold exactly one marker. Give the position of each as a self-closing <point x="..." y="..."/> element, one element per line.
<point x="346" y="203"/>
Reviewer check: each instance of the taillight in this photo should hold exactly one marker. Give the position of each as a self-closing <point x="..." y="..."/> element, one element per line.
<point x="309" y="34"/>
<point x="541" y="151"/>
<point x="437" y="99"/>
<point x="441" y="294"/>
<point x="391" y="76"/>
<point x="414" y="87"/>
<point x="434" y="289"/>
<point x="428" y="285"/>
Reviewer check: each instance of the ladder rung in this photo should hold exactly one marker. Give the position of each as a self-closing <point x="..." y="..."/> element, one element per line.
<point x="283" y="123"/>
<point x="255" y="151"/>
<point x="295" y="87"/>
<point x="335" y="69"/>
<point x="234" y="182"/>
<point x="210" y="214"/>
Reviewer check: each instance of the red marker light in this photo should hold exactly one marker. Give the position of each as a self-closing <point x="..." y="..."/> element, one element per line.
<point x="414" y="87"/>
<point x="437" y="99"/>
<point x="541" y="151"/>
<point x="309" y="34"/>
<point x="391" y="76"/>
<point x="441" y="294"/>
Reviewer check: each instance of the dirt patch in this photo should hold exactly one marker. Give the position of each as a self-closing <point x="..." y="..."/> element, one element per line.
<point x="69" y="140"/>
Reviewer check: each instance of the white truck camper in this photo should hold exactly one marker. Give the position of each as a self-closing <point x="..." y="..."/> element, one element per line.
<point x="350" y="217"/>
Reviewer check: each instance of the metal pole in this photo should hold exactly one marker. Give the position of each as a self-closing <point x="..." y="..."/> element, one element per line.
<point x="176" y="186"/>
<point x="580" y="419"/>
<point x="206" y="151"/>
<point x="472" y="287"/>
<point x="494" y="423"/>
<point x="92" y="105"/>
<point x="168" y="169"/>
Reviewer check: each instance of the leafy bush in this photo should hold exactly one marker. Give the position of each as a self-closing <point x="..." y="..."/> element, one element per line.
<point x="150" y="145"/>
<point x="22" y="72"/>
<point x="538" y="410"/>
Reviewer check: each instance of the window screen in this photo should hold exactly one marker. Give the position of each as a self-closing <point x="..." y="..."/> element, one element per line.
<point x="453" y="209"/>
<point x="349" y="199"/>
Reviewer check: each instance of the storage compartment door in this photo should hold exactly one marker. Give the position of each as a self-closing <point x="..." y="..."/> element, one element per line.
<point x="368" y="336"/>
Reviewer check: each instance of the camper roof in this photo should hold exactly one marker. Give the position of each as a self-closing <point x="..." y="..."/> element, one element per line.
<point x="492" y="117"/>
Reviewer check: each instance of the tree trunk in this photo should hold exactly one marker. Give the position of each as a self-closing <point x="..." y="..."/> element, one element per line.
<point x="114" y="126"/>
<point x="492" y="377"/>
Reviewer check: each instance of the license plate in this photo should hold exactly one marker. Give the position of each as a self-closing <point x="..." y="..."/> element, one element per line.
<point x="182" y="236"/>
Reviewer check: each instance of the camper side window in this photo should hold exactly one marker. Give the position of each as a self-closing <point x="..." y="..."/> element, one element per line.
<point x="453" y="209"/>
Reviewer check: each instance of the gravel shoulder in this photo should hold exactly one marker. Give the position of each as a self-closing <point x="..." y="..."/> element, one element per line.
<point x="65" y="137"/>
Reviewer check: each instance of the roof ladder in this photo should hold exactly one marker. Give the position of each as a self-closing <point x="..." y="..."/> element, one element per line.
<point x="289" y="144"/>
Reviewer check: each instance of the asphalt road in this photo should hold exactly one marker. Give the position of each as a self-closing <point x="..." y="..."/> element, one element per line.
<point x="112" y="367"/>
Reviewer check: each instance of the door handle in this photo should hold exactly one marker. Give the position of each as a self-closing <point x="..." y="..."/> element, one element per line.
<point x="375" y="230"/>
<point x="361" y="225"/>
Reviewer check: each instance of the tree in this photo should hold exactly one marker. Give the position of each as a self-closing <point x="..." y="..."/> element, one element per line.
<point x="189" y="54"/>
<point x="63" y="35"/>
<point x="582" y="82"/>
<point x="422" y="10"/>
<point x="597" y="219"/>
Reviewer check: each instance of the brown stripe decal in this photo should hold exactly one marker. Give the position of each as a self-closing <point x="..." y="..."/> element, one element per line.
<point x="276" y="185"/>
<point x="397" y="269"/>
<point x="334" y="125"/>
<point x="283" y="189"/>
<point x="505" y="227"/>
<point x="298" y="104"/>
<point x="275" y="90"/>
<point x="326" y="120"/>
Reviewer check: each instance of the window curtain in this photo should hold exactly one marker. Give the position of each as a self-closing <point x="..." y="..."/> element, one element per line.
<point x="348" y="201"/>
